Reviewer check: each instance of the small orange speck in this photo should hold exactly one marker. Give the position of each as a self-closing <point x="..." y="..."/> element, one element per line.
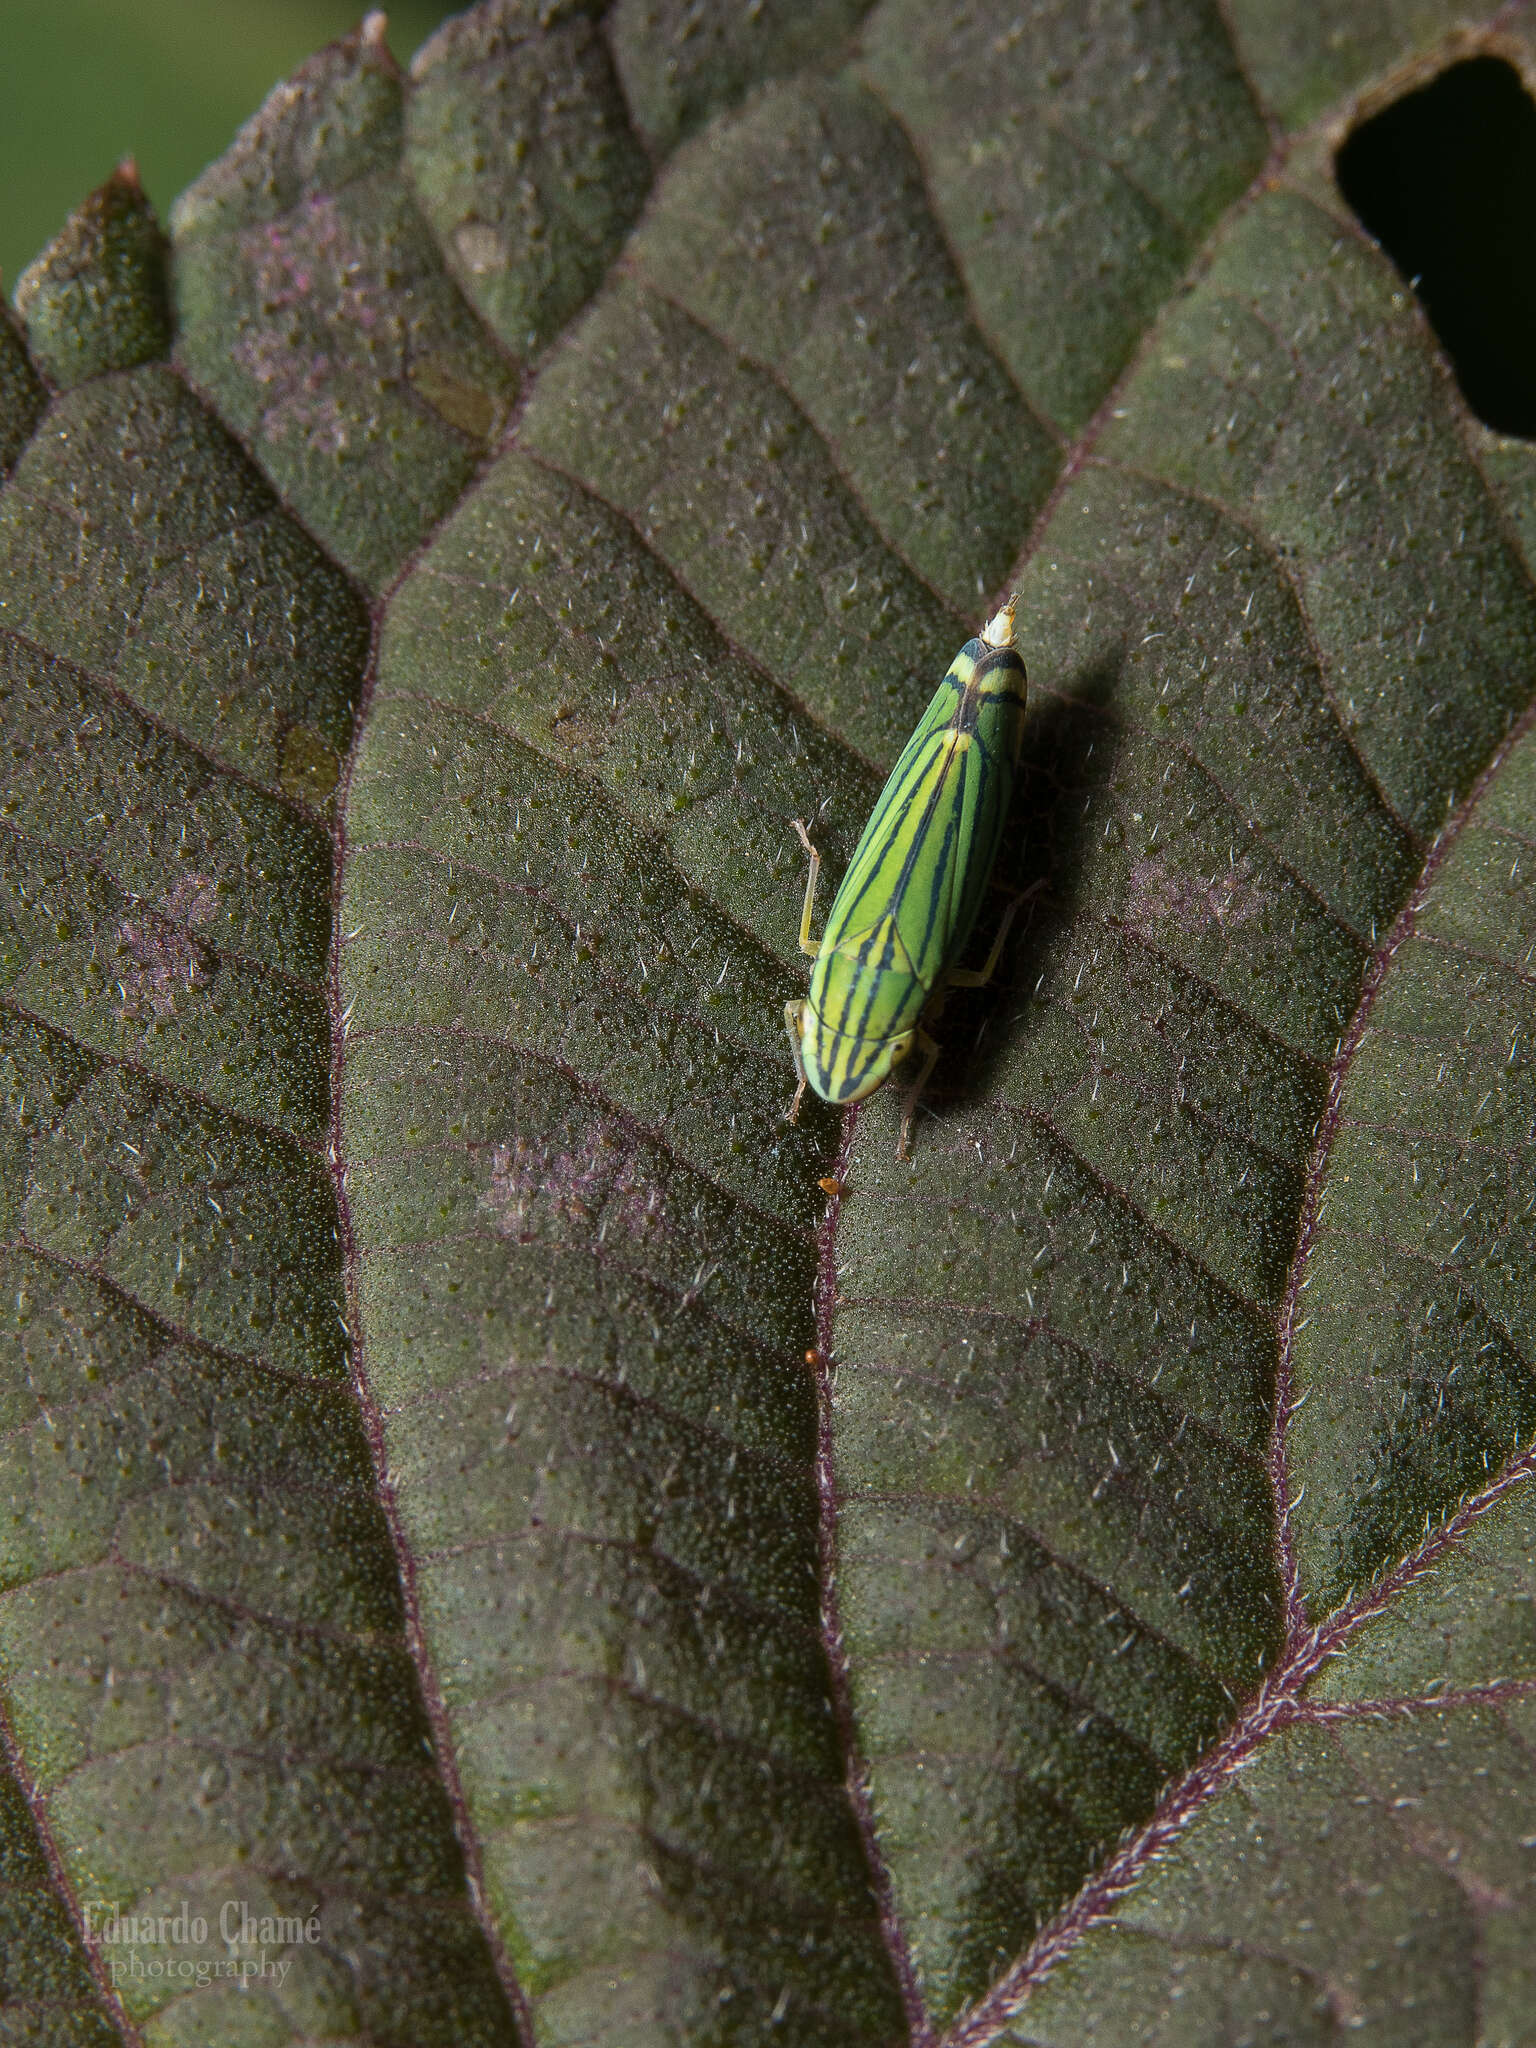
<point x="813" y="1358"/>
<point x="831" y="1185"/>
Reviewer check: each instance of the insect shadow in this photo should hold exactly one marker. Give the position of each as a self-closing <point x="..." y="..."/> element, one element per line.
<point x="1070" y="750"/>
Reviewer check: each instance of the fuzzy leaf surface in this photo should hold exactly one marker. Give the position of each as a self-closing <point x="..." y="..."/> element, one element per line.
<point x="645" y="1574"/>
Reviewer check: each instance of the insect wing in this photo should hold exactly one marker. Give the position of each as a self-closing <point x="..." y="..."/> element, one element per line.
<point x="996" y="718"/>
<point x="916" y="881"/>
<point x="936" y="829"/>
<point x="875" y="872"/>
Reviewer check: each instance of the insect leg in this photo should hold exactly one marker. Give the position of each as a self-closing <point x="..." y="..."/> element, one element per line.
<point x="807" y="943"/>
<point x="792" y="1015"/>
<point x="930" y="1051"/>
<point x="978" y="977"/>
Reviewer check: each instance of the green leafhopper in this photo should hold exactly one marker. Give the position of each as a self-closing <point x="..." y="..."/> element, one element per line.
<point x="913" y="889"/>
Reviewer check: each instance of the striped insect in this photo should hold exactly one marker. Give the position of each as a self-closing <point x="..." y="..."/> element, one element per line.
<point x="913" y="889"/>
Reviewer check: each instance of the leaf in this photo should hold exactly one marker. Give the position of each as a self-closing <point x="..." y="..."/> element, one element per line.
<point x="634" y="1570"/>
<point x="318" y="316"/>
<point x="95" y="300"/>
<point x="1370" y="1867"/>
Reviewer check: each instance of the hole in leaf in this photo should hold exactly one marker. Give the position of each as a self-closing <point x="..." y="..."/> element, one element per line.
<point x="1445" y="179"/>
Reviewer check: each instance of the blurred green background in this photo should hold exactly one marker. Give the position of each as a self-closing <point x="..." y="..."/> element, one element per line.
<point x="85" y="82"/>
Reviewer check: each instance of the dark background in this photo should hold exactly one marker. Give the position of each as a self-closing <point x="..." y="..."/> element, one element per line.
<point x="85" y="82"/>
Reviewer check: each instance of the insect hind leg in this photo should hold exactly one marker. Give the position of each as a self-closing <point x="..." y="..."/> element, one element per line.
<point x="978" y="977"/>
<point x="807" y="943"/>
<point x="930" y="1051"/>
